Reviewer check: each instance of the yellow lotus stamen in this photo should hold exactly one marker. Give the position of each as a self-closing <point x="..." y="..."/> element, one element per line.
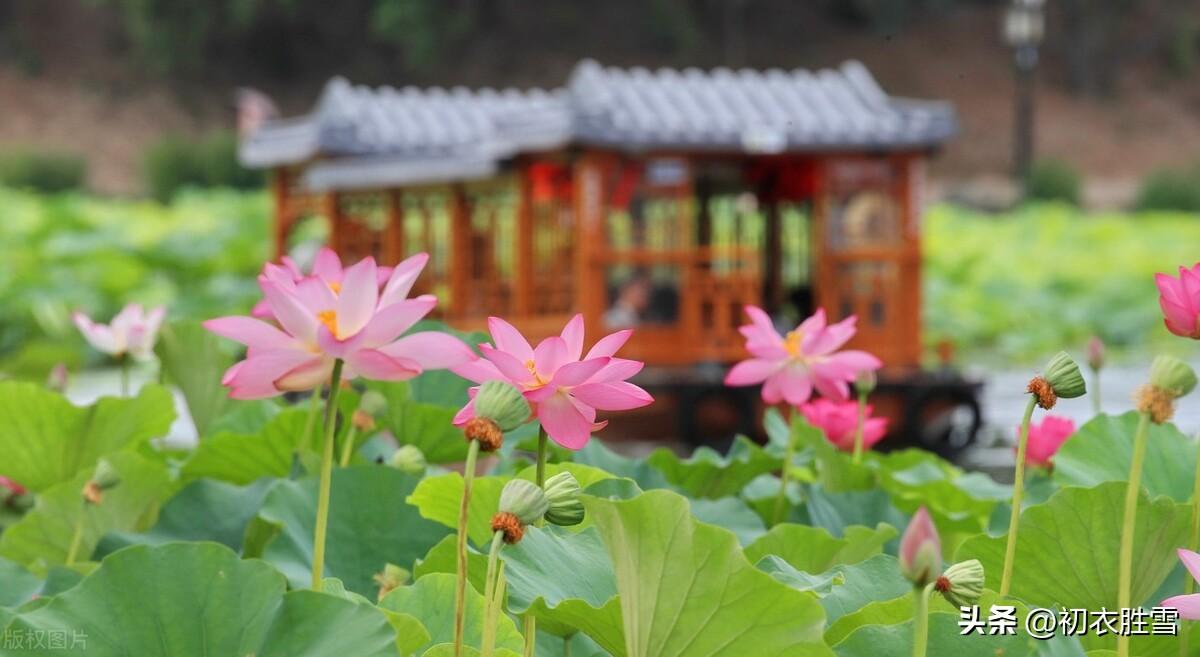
<point x="792" y="343"/>
<point x="537" y="378"/>
<point x="336" y="287"/>
<point x="329" y="319"/>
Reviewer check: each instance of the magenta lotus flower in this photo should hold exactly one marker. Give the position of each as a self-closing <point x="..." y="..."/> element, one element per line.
<point x="564" y="387"/>
<point x="791" y="366"/>
<point x="1045" y="438"/>
<point x="327" y="266"/>
<point x="1188" y="605"/>
<point x="132" y="332"/>
<point x="322" y="321"/>
<point x="1180" y="301"/>
<point x="921" y="550"/>
<point x="839" y="420"/>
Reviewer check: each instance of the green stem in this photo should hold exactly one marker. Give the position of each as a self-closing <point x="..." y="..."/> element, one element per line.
<point x="489" y="596"/>
<point x="1189" y="585"/>
<point x="460" y="593"/>
<point x="1010" y="549"/>
<point x="566" y="651"/>
<point x="1094" y="392"/>
<point x="921" y="622"/>
<point x="859" y="427"/>
<point x="348" y="446"/>
<point x="530" y="621"/>
<point x="1125" y="576"/>
<point x="124" y="360"/>
<point x="318" y="565"/>
<point x="76" y="538"/>
<point x="789" y="452"/>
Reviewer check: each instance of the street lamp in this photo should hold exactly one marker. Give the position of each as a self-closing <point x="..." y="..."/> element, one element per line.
<point x="1024" y="27"/>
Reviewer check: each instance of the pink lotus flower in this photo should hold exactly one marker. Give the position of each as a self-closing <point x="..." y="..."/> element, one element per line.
<point x="327" y="266"/>
<point x="1180" y="301"/>
<point x="564" y="387"/>
<point x="921" y="550"/>
<point x="1188" y="605"/>
<point x="1045" y="438"/>
<point x="322" y="321"/>
<point x="791" y="366"/>
<point x="838" y="420"/>
<point x="132" y="332"/>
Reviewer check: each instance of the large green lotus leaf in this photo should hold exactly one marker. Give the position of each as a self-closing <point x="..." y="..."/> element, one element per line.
<point x="205" y="510"/>
<point x="707" y="474"/>
<point x="244" y="458"/>
<point x="834" y="469"/>
<point x="1067" y="548"/>
<point x="192" y="359"/>
<point x="410" y="633"/>
<point x="43" y="537"/>
<point x="960" y="503"/>
<point x="549" y="645"/>
<point x="247" y="416"/>
<point x="46" y="440"/>
<point x="895" y="640"/>
<point x="443" y="558"/>
<point x="877" y="578"/>
<point x="836" y="511"/>
<point x="686" y="589"/>
<point x="732" y="514"/>
<point x="1101" y="450"/>
<point x="201" y="600"/>
<point x="426" y="424"/>
<point x="439" y="498"/>
<point x="431" y="600"/>
<point x="815" y="550"/>
<point x="17" y="585"/>
<point x="566" y="578"/>
<point x="594" y="453"/>
<point x="370" y="525"/>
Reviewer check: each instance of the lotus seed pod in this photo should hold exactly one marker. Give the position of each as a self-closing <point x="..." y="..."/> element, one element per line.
<point x="865" y="382"/>
<point x="503" y="404"/>
<point x="562" y="493"/>
<point x="373" y="403"/>
<point x="525" y="500"/>
<point x="105" y="476"/>
<point x="1172" y="376"/>
<point x="962" y="583"/>
<point x="1064" y="377"/>
<point x="408" y="459"/>
<point x="392" y="578"/>
<point x="921" y="550"/>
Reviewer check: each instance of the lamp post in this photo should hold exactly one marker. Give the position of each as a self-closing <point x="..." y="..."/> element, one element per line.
<point x="1024" y="26"/>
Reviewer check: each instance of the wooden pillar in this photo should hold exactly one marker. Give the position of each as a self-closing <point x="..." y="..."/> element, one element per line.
<point x="910" y="183"/>
<point x="337" y="228"/>
<point x="589" y="241"/>
<point x="461" y="260"/>
<point x="773" y="261"/>
<point x="523" y="286"/>
<point x="282" y="226"/>
<point x="393" y="230"/>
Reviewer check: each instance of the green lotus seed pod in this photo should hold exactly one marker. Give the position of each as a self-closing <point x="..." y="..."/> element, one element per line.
<point x="503" y="404"/>
<point x="392" y="578"/>
<point x="525" y="500"/>
<point x="1172" y="376"/>
<point x="105" y="476"/>
<point x="1064" y="376"/>
<point x="373" y="403"/>
<point x="865" y="382"/>
<point x="962" y="583"/>
<point x="562" y="493"/>
<point x="408" y="459"/>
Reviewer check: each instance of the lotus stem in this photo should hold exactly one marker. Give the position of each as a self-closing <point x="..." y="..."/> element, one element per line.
<point x="1129" y="525"/>
<point x="76" y="537"/>
<point x="1010" y="549"/>
<point x="1095" y="391"/>
<point x="348" y="446"/>
<point x="460" y="593"/>
<point x="859" y="426"/>
<point x="1189" y="586"/>
<point x="318" y="566"/>
<point x="530" y="621"/>
<point x="489" y="595"/>
<point x="921" y="621"/>
<point x="566" y="651"/>
<point x="124" y="361"/>
<point x="781" y="497"/>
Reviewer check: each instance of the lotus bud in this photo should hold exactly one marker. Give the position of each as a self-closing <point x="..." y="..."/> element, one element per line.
<point x="103" y="478"/>
<point x="921" y="550"/>
<point x="562" y="493"/>
<point x="59" y="378"/>
<point x="865" y="382"/>
<point x="373" y="403"/>
<point x="1095" y="353"/>
<point x="1170" y="379"/>
<point x="10" y="491"/>
<point x="409" y="459"/>
<point x="962" y="583"/>
<point x="392" y="578"/>
<point x="521" y="503"/>
<point x="1061" y="378"/>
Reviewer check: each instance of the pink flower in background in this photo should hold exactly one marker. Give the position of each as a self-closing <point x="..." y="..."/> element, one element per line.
<point x="920" y="550"/>
<point x="791" y="366"/>
<point x="322" y="320"/>
<point x="132" y="332"/>
<point x="838" y="420"/>
<point x="564" y="386"/>
<point x="1188" y="605"/>
<point x="1045" y="438"/>
<point x="12" y="487"/>
<point x="327" y="266"/>
<point x="1180" y="301"/>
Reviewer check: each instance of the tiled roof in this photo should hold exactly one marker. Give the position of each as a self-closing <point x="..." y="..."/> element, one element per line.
<point x="410" y="131"/>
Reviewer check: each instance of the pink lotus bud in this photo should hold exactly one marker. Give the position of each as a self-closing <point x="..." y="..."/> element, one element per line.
<point x="921" y="550"/>
<point x="1095" y="353"/>
<point x="58" y="379"/>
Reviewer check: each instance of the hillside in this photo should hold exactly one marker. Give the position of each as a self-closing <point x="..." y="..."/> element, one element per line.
<point x="85" y="97"/>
